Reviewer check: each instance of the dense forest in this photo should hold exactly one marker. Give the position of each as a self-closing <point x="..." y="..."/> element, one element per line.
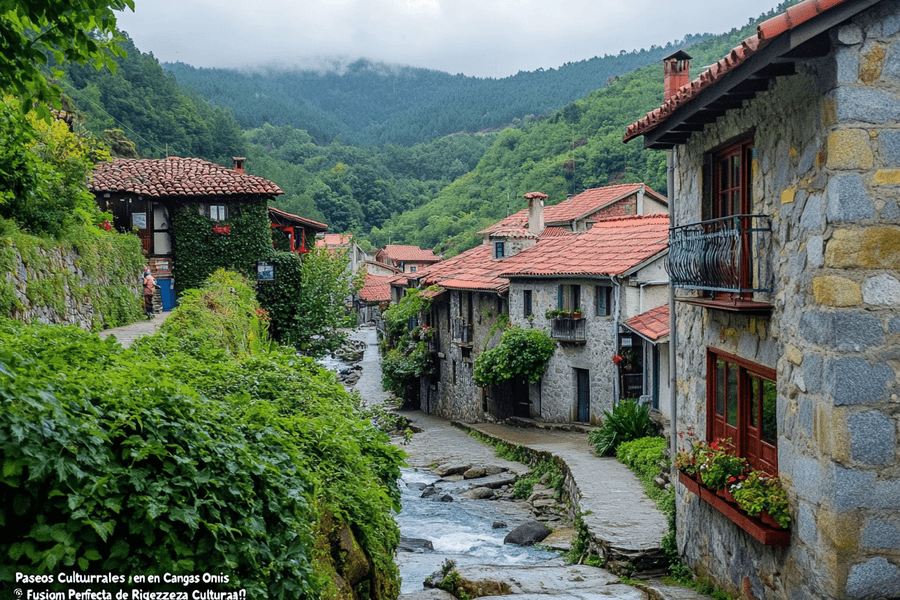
<point x="396" y="154"/>
<point x="368" y="103"/>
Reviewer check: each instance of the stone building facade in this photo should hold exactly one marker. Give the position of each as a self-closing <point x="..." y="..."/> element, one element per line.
<point x="819" y="312"/>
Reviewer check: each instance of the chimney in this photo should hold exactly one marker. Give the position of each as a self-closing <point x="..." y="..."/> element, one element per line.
<point x="676" y="73"/>
<point x="239" y="163"/>
<point x="535" y="212"/>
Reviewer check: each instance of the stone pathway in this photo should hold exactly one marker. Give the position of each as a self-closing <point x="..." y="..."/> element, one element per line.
<point x="128" y="333"/>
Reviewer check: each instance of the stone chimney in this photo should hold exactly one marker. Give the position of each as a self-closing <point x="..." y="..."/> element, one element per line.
<point x="676" y="73"/>
<point x="535" y="212"/>
<point x="239" y="163"/>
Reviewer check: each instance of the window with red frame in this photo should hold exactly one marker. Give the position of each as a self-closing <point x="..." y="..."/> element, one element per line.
<point x="741" y="404"/>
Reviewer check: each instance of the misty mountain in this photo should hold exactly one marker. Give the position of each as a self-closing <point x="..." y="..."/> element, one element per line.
<point x="366" y="103"/>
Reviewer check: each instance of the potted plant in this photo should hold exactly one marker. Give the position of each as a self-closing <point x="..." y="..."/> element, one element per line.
<point x="762" y="496"/>
<point x="576" y="314"/>
<point x="719" y="464"/>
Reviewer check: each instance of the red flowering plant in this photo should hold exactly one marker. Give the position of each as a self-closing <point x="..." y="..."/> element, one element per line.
<point x="686" y="457"/>
<point x="758" y="491"/>
<point x="719" y="464"/>
<point x="618" y="359"/>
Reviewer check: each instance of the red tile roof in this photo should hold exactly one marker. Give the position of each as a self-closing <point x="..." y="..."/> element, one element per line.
<point x="765" y="33"/>
<point x="578" y="207"/>
<point x="174" y="176"/>
<point x="384" y="266"/>
<point x="334" y="240"/>
<point x="297" y="219"/>
<point x="402" y="253"/>
<point x="376" y="288"/>
<point x="554" y="232"/>
<point x="474" y="269"/>
<point x="611" y="247"/>
<point x="653" y="324"/>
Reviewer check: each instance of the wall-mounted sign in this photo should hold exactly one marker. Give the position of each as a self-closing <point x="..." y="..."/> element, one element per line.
<point x="265" y="271"/>
<point x="139" y="220"/>
<point x="626" y="342"/>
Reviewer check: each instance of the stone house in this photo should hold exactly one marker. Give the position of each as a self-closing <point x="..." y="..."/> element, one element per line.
<point x="375" y="293"/>
<point x="474" y="295"/>
<point x="610" y="273"/>
<point x="784" y="257"/>
<point x="408" y="259"/>
<point x="347" y="243"/>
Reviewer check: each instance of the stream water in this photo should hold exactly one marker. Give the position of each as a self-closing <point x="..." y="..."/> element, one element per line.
<point x="462" y="530"/>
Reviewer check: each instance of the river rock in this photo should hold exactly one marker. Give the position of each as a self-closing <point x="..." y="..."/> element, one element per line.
<point x="442" y="498"/>
<point x="416" y="485"/>
<point x="499" y="480"/>
<point x="561" y="538"/>
<point x="433" y="594"/>
<point x="451" y="469"/>
<point x="479" y="493"/>
<point x="528" y="534"/>
<point x="474" y="473"/>
<point x="536" y="582"/>
<point x="414" y="545"/>
<point x="493" y="470"/>
<point x="545" y="503"/>
<point x="498" y="525"/>
<point x="429" y="491"/>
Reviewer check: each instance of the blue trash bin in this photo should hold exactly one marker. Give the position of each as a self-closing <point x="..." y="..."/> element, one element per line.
<point x="166" y="294"/>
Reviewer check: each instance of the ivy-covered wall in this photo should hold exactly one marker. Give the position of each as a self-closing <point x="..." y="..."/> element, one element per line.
<point x="88" y="278"/>
<point x="199" y="250"/>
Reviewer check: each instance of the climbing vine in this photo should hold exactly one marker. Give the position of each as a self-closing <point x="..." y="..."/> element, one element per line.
<point x="406" y="355"/>
<point x="201" y="250"/>
<point x="520" y="353"/>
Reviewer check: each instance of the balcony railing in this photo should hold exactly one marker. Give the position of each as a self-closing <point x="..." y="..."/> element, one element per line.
<point x="462" y="331"/>
<point x="568" y="330"/>
<point x="722" y="255"/>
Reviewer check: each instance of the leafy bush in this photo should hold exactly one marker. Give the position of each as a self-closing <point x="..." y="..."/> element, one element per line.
<point x="643" y="456"/>
<point x="179" y="455"/>
<point x="402" y="366"/>
<point x="520" y="353"/>
<point x="628" y="421"/>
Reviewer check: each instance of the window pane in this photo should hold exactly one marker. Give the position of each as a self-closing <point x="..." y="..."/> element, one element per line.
<point x="720" y="387"/>
<point x="732" y="397"/>
<point x="769" y="433"/>
<point x="559" y="297"/>
<point x="576" y="297"/>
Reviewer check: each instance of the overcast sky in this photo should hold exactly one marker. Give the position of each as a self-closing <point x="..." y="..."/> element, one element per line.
<point x="482" y="38"/>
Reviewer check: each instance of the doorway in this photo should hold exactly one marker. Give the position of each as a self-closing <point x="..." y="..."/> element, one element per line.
<point x="583" y="394"/>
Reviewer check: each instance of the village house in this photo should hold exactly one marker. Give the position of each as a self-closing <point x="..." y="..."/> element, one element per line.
<point x="473" y="293"/>
<point x="144" y="195"/>
<point x="347" y="243"/>
<point x="408" y="259"/>
<point x="784" y="255"/>
<point x="373" y="297"/>
<point x="583" y="288"/>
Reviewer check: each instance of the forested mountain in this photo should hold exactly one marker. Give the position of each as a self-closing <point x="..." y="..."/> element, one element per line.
<point x="368" y="103"/>
<point x="576" y="148"/>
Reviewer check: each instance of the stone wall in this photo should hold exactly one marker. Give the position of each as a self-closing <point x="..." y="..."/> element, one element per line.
<point x="828" y="162"/>
<point x="54" y="288"/>
<point x="556" y="395"/>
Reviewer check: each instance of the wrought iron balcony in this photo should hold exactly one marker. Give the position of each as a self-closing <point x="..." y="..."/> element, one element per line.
<point x="462" y="331"/>
<point x="568" y="330"/>
<point x="722" y="255"/>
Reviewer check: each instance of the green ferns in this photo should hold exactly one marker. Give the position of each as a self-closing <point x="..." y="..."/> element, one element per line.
<point x="191" y="453"/>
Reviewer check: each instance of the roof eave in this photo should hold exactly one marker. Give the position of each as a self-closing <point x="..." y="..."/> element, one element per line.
<point x="664" y="135"/>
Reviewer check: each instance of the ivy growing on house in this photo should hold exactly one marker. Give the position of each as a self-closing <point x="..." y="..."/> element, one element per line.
<point x="520" y="353"/>
<point x="405" y="352"/>
<point x="200" y="250"/>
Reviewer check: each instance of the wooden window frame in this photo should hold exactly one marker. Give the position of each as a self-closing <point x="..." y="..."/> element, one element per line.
<point x="527" y="303"/>
<point x="499" y="249"/>
<point x="568" y="297"/>
<point x="746" y="438"/>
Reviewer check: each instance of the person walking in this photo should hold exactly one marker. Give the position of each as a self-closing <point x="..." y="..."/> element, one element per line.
<point x="149" y="285"/>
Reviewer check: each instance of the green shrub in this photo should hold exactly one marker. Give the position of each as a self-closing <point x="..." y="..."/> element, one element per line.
<point x="643" y="455"/>
<point x="179" y="455"/>
<point x="520" y="353"/>
<point x="628" y="421"/>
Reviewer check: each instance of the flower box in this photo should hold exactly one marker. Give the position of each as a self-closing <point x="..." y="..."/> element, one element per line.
<point x="763" y="533"/>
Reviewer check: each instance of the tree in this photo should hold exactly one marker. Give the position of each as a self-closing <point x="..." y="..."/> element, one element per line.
<point x="69" y="30"/>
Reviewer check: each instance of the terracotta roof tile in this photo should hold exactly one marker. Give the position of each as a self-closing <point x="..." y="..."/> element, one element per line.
<point x="765" y="32"/>
<point x="579" y="206"/>
<point x="653" y="324"/>
<point x="474" y="269"/>
<point x="611" y="247"/>
<point x="334" y="240"/>
<point x="554" y="232"/>
<point x="376" y="289"/>
<point x="385" y="266"/>
<point x="174" y="176"/>
<point x="403" y="253"/>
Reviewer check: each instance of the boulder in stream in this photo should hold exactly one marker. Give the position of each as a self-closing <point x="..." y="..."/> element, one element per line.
<point x="414" y="545"/>
<point x="528" y="534"/>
